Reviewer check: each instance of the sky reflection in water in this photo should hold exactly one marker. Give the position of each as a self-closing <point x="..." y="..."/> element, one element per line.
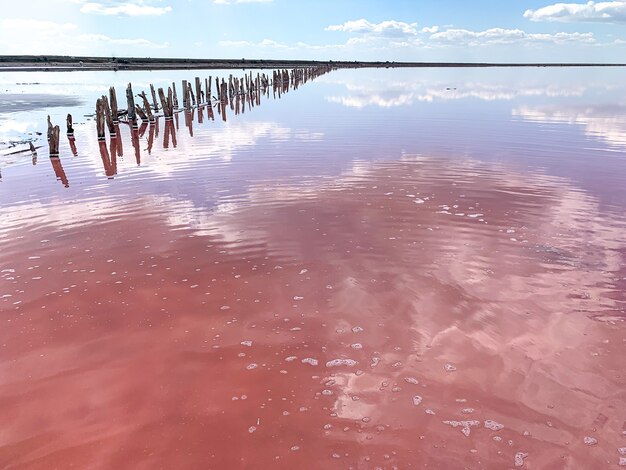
<point x="454" y="237"/>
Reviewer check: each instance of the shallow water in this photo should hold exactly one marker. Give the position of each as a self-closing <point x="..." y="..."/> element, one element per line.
<point x="381" y="269"/>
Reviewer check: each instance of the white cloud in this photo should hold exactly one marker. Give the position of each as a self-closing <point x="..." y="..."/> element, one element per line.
<point x="129" y="8"/>
<point x="604" y="122"/>
<point x="264" y="43"/>
<point x="390" y="28"/>
<point x="231" y="2"/>
<point x="495" y="36"/>
<point x="38" y="27"/>
<point x="48" y="37"/>
<point x="140" y="42"/>
<point x="603" y="12"/>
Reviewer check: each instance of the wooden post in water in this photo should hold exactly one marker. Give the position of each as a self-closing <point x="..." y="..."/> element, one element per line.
<point x="113" y="99"/>
<point x="100" y="119"/>
<point x="198" y="90"/>
<point x="170" y="103"/>
<point x="33" y="152"/>
<point x="54" y="133"/>
<point x="166" y="103"/>
<point x="132" y="117"/>
<point x="146" y="105"/>
<point x="70" y="134"/>
<point x="184" y="91"/>
<point x="70" y="128"/>
<point x="190" y="91"/>
<point x="154" y="101"/>
<point x="108" y="115"/>
<point x="142" y="115"/>
<point x="175" y="102"/>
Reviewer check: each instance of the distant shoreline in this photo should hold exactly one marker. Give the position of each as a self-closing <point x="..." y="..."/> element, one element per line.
<point x="74" y="63"/>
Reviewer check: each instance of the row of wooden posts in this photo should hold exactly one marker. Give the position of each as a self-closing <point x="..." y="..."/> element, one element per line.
<point x="248" y="88"/>
<point x="202" y="94"/>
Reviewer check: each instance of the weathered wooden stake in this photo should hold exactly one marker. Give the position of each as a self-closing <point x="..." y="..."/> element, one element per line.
<point x="68" y="121"/>
<point x="54" y="141"/>
<point x="113" y="100"/>
<point x="108" y="115"/>
<point x="175" y="102"/>
<point x="100" y="119"/>
<point x="154" y="100"/>
<point x="198" y="90"/>
<point x="141" y="114"/>
<point x="184" y="90"/>
<point x="132" y="117"/>
<point x="146" y="105"/>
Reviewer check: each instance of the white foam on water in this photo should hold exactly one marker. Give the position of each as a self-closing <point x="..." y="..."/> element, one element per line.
<point x="310" y="361"/>
<point x="465" y="425"/>
<point x="494" y="426"/>
<point x="291" y="358"/>
<point x="252" y="366"/>
<point x="341" y="362"/>
<point x="357" y="329"/>
<point x="417" y="400"/>
<point x="590" y="441"/>
<point x="356" y="346"/>
<point x="449" y="368"/>
<point x="411" y="380"/>
<point x="519" y="458"/>
<point x="246" y="343"/>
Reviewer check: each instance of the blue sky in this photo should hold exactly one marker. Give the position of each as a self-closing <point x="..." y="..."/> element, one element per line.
<point x="453" y="30"/>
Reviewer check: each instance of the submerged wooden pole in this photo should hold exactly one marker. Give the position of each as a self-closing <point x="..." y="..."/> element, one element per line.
<point x="166" y="103"/>
<point x="184" y="92"/>
<point x="142" y="115"/>
<point x="175" y="101"/>
<point x="198" y="90"/>
<point x="154" y="100"/>
<point x="146" y="105"/>
<point x="113" y="100"/>
<point x="108" y="115"/>
<point x="193" y="98"/>
<point x="70" y="128"/>
<point x="100" y="119"/>
<point x="70" y="135"/>
<point x="132" y="117"/>
<point x="55" y="131"/>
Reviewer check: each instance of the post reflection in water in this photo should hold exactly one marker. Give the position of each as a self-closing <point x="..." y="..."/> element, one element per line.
<point x="189" y="121"/>
<point x="170" y="131"/>
<point x="72" y="141"/>
<point x="134" y="132"/>
<point x="59" y="171"/>
<point x="109" y="170"/>
<point x="153" y="130"/>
